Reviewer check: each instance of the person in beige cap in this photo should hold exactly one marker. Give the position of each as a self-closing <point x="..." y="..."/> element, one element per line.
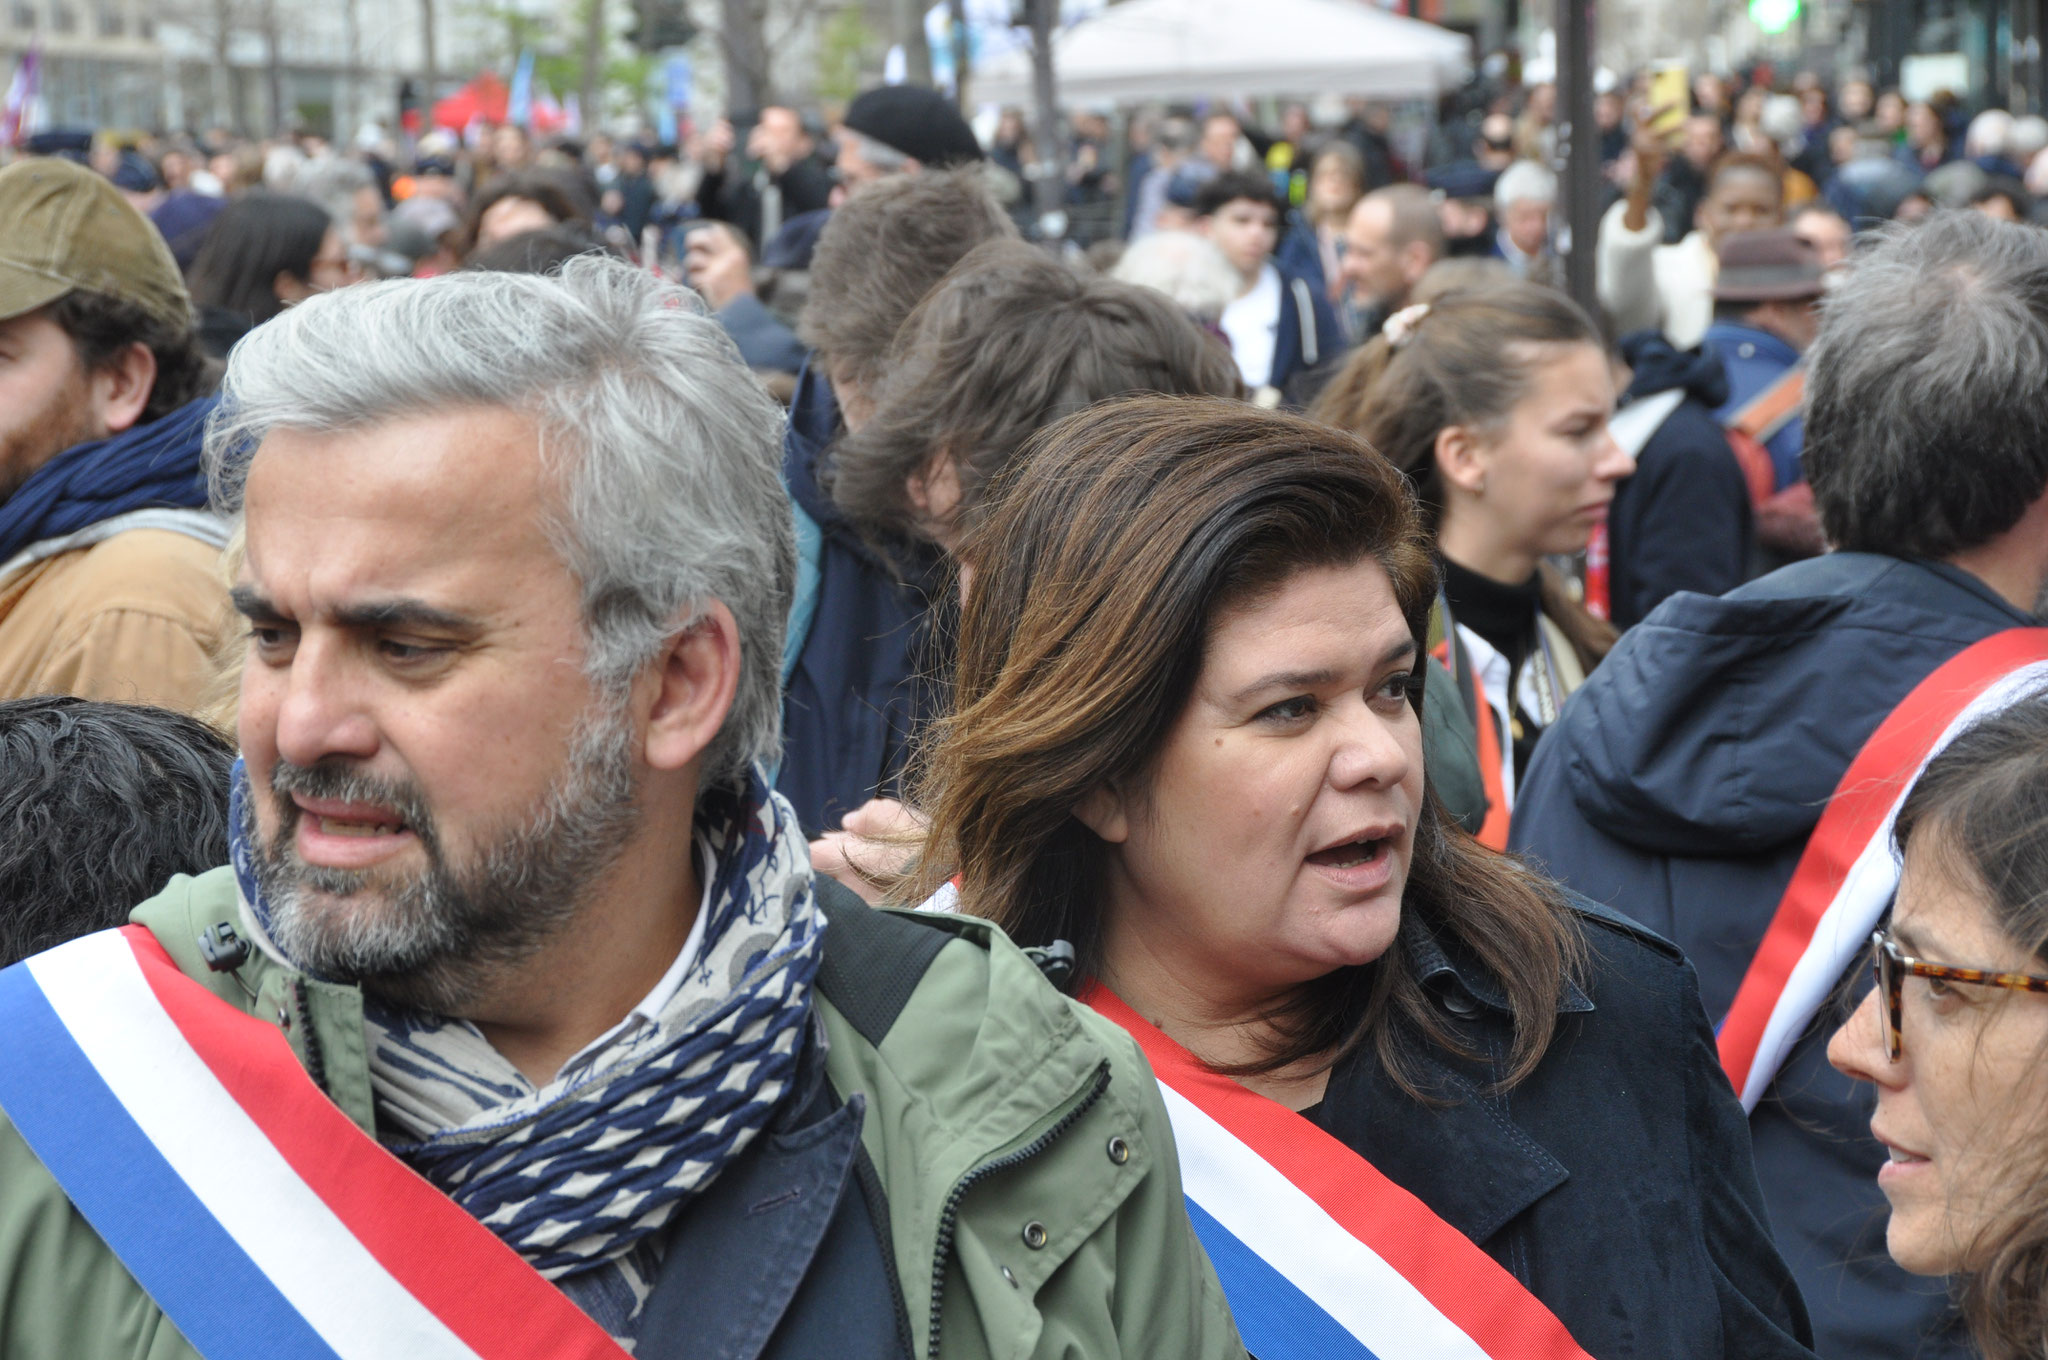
<point x="109" y="560"/>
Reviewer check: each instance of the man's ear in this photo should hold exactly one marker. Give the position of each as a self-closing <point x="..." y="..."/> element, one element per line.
<point x="694" y="680"/>
<point x="1103" y="811"/>
<point x="1416" y="255"/>
<point x="120" y="388"/>
<point x="1460" y="459"/>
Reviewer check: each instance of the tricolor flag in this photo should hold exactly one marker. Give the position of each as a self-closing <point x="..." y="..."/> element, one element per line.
<point x="1847" y="875"/>
<point x="259" y="1217"/>
<point x="1320" y="1255"/>
<point x="18" y="111"/>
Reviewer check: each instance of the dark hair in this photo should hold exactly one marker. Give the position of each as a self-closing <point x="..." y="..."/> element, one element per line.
<point x="542" y="250"/>
<point x="1232" y="185"/>
<point x="1009" y="342"/>
<point x="1106" y="554"/>
<point x="101" y="326"/>
<point x="2009" y="189"/>
<point x="256" y="238"/>
<point x="1744" y="162"/>
<point x="881" y="252"/>
<point x="1982" y="807"/>
<point x="559" y="194"/>
<point x="1927" y="388"/>
<point x="1468" y="363"/>
<point x="100" y="804"/>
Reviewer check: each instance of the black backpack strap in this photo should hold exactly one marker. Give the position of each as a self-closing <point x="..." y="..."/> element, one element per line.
<point x="873" y="959"/>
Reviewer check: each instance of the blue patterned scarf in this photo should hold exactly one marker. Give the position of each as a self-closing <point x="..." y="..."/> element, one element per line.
<point x="576" y="1174"/>
<point x="151" y="465"/>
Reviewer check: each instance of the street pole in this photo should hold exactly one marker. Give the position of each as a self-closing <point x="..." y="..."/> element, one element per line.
<point x="593" y="62"/>
<point x="1581" y="145"/>
<point x="1047" y="191"/>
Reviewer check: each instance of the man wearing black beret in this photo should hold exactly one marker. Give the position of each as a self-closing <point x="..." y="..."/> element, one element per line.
<point x="901" y="127"/>
<point x="893" y="129"/>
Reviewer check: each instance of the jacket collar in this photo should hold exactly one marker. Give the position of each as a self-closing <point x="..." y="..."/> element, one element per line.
<point x="1768" y="344"/>
<point x="1459" y="1151"/>
<point x="1460" y="977"/>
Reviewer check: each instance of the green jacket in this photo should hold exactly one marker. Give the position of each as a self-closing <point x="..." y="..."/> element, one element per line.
<point x="987" y="1111"/>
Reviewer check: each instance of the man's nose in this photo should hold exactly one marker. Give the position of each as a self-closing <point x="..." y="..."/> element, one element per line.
<point x="321" y="712"/>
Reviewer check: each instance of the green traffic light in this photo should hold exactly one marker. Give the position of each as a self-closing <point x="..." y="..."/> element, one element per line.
<point x="1773" y="16"/>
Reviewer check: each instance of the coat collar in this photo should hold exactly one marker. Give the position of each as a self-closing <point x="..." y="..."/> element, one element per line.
<point x="1460" y="976"/>
<point x="1460" y="1152"/>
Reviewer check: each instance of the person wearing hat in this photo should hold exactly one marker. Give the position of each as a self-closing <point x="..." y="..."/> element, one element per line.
<point x="892" y="130"/>
<point x="1766" y="312"/>
<point x="109" y="585"/>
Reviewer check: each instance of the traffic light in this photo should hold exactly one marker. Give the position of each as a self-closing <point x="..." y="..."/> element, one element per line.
<point x="659" y="24"/>
<point x="1773" y="16"/>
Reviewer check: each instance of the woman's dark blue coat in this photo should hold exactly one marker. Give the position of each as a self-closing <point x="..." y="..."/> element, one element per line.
<point x="1615" y="1182"/>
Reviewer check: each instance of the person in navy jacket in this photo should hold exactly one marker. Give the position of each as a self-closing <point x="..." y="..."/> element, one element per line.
<point x="1281" y="324"/>
<point x="1683" y="781"/>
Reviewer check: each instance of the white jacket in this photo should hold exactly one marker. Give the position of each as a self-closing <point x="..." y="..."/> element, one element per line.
<point x="1645" y="284"/>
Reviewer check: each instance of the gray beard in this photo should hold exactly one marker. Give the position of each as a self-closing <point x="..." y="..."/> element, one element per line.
<point x="434" y="941"/>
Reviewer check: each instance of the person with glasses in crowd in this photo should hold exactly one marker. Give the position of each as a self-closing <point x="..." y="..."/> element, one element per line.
<point x="1954" y="1036"/>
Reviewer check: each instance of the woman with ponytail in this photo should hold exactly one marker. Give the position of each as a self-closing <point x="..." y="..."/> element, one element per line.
<point x="1494" y="405"/>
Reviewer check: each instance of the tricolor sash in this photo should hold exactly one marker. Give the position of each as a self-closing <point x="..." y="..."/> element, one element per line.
<point x="257" y="1215"/>
<point x="1320" y="1255"/>
<point x="1847" y="874"/>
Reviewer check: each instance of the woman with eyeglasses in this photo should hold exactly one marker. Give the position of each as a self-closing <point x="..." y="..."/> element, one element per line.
<point x="1955" y="1034"/>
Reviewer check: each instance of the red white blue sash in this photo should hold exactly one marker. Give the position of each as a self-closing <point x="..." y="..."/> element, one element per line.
<point x="1847" y="874"/>
<point x="1319" y="1254"/>
<point x="257" y="1215"/>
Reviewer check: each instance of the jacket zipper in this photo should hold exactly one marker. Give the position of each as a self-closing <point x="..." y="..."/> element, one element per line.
<point x="950" y="1213"/>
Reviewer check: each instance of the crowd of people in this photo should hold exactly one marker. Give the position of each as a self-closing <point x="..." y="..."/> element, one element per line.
<point x="1414" y="817"/>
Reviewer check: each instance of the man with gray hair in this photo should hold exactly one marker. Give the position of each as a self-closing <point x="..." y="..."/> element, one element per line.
<point x="1686" y="784"/>
<point x="1522" y="200"/>
<point x="518" y="1025"/>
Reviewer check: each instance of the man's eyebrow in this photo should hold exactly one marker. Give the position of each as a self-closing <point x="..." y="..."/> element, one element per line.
<point x="403" y="612"/>
<point x="249" y="603"/>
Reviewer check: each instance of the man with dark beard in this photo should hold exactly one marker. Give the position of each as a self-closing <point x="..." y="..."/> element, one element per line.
<point x="518" y="1025"/>
<point x="108" y="559"/>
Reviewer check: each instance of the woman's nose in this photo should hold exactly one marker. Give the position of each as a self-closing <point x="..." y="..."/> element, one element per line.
<point x="1857" y="1048"/>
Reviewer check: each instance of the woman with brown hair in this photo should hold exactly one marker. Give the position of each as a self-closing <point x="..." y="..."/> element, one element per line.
<point x="1954" y="1037"/>
<point x="1186" y="742"/>
<point x="1494" y="405"/>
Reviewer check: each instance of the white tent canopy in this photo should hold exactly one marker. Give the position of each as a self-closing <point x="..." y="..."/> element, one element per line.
<point x="1189" y="49"/>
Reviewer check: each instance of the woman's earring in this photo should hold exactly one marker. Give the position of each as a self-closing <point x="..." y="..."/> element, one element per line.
<point x="1479" y="487"/>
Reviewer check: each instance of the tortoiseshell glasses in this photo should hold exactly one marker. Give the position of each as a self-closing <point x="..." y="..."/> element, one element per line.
<point x="1893" y="968"/>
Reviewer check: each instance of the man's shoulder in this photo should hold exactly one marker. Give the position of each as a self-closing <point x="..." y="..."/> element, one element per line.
<point x="63" y="1291"/>
<point x="183" y="912"/>
<point x="908" y="981"/>
<point x="947" y="1011"/>
<point x="153" y="570"/>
